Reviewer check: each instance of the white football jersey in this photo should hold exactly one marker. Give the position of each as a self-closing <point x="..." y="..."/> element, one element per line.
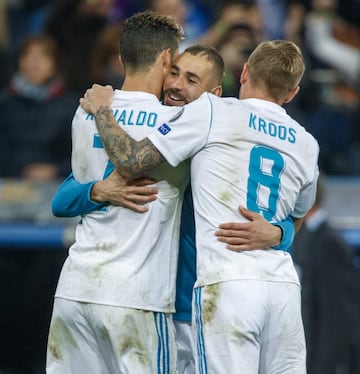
<point x="121" y="257"/>
<point x="246" y="153"/>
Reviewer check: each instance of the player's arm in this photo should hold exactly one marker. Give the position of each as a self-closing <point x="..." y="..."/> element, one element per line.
<point x="133" y="194"/>
<point x="131" y="158"/>
<point x="258" y="232"/>
<point x="73" y="198"/>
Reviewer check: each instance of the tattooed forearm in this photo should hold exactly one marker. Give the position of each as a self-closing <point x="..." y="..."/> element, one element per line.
<point x="130" y="158"/>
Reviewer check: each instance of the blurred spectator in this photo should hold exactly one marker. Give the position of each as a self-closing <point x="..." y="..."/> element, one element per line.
<point x="200" y="27"/>
<point x="122" y="9"/>
<point x="294" y="23"/>
<point x="24" y="18"/>
<point x="187" y="13"/>
<point x="333" y="41"/>
<point x="235" y="48"/>
<point x="106" y="67"/>
<point x="231" y="14"/>
<point x="327" y="274"/>
<point x="332" y="97"/>
<point x="75" y="24"/>
<point x="18" y="19"/>
<point x="36" y="113"/>
<point x="274" y="13"/>
<point x="4" y="43"/>
<point x="283" y="19"/>
<point x="4" y="39"/>
<point x="4" y="30"/>
<point x="237" y="30"/>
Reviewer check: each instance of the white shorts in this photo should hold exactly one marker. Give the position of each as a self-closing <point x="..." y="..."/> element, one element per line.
<point x="92" y="339"/>
<point x="252" y="327"/>
<point x="185" y="347"/>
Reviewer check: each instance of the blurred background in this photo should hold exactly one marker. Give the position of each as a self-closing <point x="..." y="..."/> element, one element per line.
<point x="52" y="51"/>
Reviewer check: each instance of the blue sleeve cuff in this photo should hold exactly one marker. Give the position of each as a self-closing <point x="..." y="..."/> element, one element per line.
<point x="288" y="234"/>
<point x="73" y="199"/>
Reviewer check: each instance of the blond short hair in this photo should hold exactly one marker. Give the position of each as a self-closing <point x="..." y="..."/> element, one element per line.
<point x="276" y="66"/>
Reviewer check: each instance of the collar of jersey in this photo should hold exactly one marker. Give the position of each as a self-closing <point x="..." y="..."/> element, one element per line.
<point x="132" y="94"/>
<point x="265" y="104"/>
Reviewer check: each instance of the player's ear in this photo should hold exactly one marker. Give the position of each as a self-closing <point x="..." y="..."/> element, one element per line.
<point x="120" y="60"/>
<point x="292" y="94"/>
<point x="217" y="90"/>
<point x="244" y="73"/>
<point x="166" y="58"/>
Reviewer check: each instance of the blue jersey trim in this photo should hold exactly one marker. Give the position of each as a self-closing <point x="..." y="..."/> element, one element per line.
<point x="73" y="199"/>
<point x="200" y="341"/>
<point x="163" y="352"/>
<point x="186" y="272"/>
<point x="288" y="234"/>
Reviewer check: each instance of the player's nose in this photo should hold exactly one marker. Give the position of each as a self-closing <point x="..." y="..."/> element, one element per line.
<point x="177" y="84"/>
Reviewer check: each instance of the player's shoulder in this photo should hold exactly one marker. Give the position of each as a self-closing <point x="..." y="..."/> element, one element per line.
<point x="308" y="141"/>
<point x="212" y="101"/>
<point x="80" y="115"/>
<point x="313" y="143"/>
<point x="128" y="98"/>
<point x="302" y="130"/>
<point x="220" y="100"/>
<point x="139" y="101"/>
<point x="198" y="105"/>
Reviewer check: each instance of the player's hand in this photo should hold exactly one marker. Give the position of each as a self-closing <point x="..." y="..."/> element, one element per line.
<point x="97" y="97"/>
<point x="134" y="194"/>
<point x="255" y="234"/>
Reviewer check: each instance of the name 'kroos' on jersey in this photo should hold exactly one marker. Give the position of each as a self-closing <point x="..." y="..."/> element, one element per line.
<point x="269" y="128"/>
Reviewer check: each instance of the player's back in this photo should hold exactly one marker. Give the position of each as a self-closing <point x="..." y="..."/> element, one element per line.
<point x="256" y="156"/>
<point x="121" y="257"/>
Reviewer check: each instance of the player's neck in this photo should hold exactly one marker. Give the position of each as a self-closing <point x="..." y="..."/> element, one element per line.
<point x="251" y="92"/>
<point x="143" y="82"/>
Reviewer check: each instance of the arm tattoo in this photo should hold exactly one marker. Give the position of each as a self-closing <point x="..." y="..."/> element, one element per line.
<point x="130" y="158"/>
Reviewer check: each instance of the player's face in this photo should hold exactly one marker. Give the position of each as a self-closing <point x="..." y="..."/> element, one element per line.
<point x="189" y="77"/>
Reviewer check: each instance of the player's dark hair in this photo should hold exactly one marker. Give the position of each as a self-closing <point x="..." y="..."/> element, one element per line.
<point x="144" y="36"/>
<point x="214" y="58"/>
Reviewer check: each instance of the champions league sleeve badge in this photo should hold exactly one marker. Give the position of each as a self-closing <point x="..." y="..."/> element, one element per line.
<point x="164" y="129"/>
